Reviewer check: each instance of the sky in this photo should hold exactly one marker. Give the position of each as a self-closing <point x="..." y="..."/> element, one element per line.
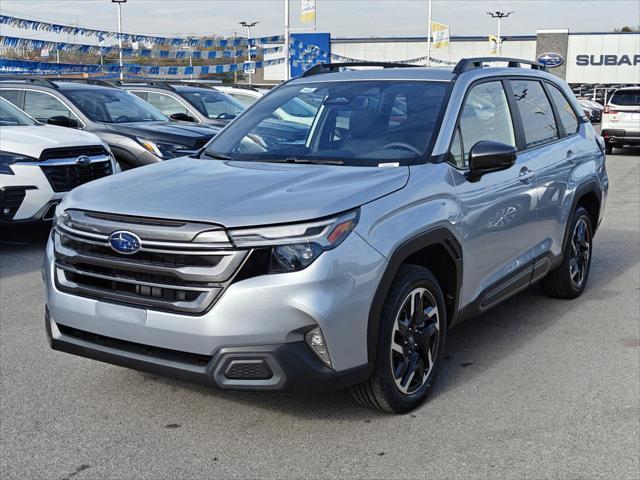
<point x="342" y="18"/>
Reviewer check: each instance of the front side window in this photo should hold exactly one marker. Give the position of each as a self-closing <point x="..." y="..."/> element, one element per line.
<point x="246" y="100"/>
<point x="166" y="104"/>
<point x="567" y="115"/>
<point x="536" y="113"/>
<point x="11" y="95"/>
<point x="112" y="105"/>
<point x="10" y="115"/>
<point x="352" y="123"/>
<point x="213" y="104"/>
<point x="43" y="106"/>
<point x="485" y="117"/>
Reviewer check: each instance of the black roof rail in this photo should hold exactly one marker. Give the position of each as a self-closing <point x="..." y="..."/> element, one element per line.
<point x="35" y="80"/>
<point x="149" y="83"/>
<point x="467" y="64"/>
<point x="335" y="67"/>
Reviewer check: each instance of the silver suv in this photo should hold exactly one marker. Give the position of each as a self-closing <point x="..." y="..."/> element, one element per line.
<point x="417" y="198"/>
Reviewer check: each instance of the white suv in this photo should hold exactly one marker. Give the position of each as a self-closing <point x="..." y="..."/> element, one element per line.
<point x="621" y="119"/>
<point x="40" y="163"/>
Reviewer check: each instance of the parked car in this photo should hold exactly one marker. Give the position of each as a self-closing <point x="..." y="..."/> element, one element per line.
<point x="621" y="119"/>
<point x="301" y="109"/>
<point x="207" y="106"/>
<point x="417" y="200"/>
<point x="188" y="102"/>
<point x="40" y="163"/>
<point x="137" y="133"/>
<point x="591" y="109"/>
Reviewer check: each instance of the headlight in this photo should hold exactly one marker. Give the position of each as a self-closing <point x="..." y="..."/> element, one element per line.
<point x="161" y="149"/>
<point x="295" y="247"/>
<point x="8" y="158"/>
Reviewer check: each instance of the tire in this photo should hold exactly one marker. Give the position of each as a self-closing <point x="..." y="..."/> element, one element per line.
<point x="608" y="148"/>
<point x="423" y="348"/>
<point x="562" y="282"/>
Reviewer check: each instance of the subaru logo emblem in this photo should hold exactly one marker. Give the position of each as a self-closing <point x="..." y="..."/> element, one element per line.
<point x="551" y="59"/>
<point x="83" y="160"/>
<point x="124" y="242"/>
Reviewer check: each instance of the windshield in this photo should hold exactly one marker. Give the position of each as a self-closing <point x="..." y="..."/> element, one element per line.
<point x="111" y="105"/>
<point x="213" y="104"/>
<point x="10" y="115"/>
<point x="352" y="123"/>
<point x="626" y="98"/>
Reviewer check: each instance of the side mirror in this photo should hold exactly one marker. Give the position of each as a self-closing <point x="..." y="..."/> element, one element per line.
<point x="62" y="121"/>
<point x="486" y="157"/>
<point x="182" y="117"/>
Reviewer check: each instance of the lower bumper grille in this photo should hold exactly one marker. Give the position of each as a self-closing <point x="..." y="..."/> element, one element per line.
<point x="10" y="200"/>
<point x="66" y="177"/>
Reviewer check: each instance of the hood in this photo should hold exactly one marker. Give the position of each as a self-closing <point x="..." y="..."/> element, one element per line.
<point x="236" y="194"/>
<point x="171" y="132"/>
<point x="31" y="140"/>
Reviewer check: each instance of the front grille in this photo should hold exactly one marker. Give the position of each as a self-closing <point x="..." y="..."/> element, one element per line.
<point x="10" y="200"/>
<point x="164" y="274"/>
<point x="66" y="177"/>
<point x="72" y="152"/>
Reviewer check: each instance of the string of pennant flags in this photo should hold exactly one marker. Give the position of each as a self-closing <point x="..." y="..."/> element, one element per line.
<point x="12" y="67"/>
<point x="46" y="46"/>
<point x="102" y="35"/>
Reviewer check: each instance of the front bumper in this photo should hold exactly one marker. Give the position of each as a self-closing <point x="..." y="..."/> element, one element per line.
<point x="265" y="317"/>
<point x="27" y="196"/>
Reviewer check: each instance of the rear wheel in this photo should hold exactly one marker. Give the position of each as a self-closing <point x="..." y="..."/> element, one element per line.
<point x="570" y="278"/>
<point x="410" y="345"/>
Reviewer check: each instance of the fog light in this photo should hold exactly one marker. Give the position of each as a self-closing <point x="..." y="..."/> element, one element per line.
<point x="316" y="341"/>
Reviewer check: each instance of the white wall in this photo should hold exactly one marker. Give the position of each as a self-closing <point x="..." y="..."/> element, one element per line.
<point x="597" y="45"/>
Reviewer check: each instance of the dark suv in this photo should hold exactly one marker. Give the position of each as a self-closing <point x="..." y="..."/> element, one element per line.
<point x="137" y="133"/>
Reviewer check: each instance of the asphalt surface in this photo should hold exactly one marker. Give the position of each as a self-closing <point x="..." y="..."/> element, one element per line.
<point x="536" y="388"/>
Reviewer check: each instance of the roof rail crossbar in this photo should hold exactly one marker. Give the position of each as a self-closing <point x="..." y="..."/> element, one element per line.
<point x="335" y="67"/>
<point x="467" y="64"/>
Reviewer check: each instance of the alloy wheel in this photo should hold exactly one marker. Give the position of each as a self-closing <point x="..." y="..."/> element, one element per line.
<point x="580" y="253"/>
<point x="414" y="341"/>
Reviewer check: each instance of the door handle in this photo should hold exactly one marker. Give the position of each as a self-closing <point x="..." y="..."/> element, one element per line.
<point x="525" y="175"/>
<point x="570" y="156"/>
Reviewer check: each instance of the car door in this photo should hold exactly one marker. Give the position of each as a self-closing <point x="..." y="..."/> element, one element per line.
<point x="499" y="209"/>
<point x="552" y="149"/>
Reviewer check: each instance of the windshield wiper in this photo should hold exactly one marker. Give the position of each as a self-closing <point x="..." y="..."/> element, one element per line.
<point x="216" y="156"/>
<point x="312" y="161"/>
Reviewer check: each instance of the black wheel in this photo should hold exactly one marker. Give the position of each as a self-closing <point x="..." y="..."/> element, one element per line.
<point x="608" y="148"/>
<point x="570" y="278"/>
<point x="410" y="345"/>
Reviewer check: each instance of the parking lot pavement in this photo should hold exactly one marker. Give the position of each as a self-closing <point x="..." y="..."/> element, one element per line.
<point x="535" y="388"/>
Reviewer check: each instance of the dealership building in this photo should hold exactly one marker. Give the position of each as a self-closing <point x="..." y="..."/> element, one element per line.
<point x="592" y="62"/>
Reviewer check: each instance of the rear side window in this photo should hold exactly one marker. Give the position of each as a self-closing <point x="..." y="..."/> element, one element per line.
<point x="567" y="115"/>
<point x="485" y="116"/>
<point x="626" y="98"/>
<point x="11" y="95"/>
<point x="535" y="111"/>
<point x="43" y="106"/>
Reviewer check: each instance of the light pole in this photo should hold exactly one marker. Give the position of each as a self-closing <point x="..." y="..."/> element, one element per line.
<point x="120" y="2"/>
<point x="249" y="25"/>
<point x="499" y="16"/>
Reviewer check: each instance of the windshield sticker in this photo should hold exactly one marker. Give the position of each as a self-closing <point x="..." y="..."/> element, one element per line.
<point x="388" y="165"/>
<point x="308" y="90"/>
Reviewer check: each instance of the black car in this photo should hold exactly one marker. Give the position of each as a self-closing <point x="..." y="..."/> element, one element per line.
<point x="205" y="105"/>
<point x="137" y="133"/>
<point x="188" y="102"/>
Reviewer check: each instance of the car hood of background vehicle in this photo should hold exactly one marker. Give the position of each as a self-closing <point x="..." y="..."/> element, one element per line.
<point x="185" y="133"/>
<point x="235" y="194"/>
<point x="31" y="140"/>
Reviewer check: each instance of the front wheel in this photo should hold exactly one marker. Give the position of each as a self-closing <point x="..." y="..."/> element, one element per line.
<point x="410" y="345"/>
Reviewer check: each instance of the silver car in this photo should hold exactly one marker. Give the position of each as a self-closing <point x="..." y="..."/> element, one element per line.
<point x="339" y="257"/>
